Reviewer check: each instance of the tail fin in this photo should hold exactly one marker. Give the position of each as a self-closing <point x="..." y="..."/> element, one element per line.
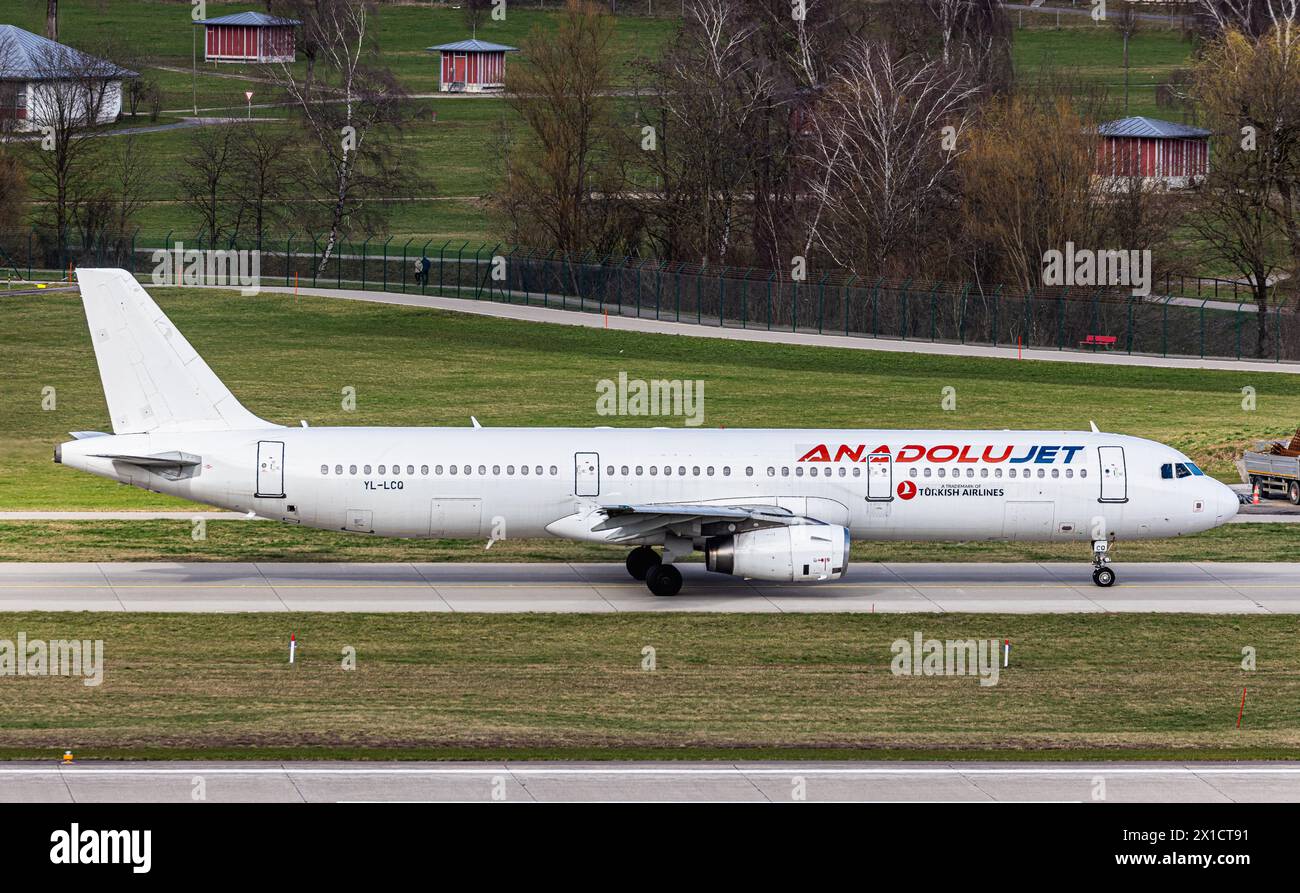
<point x="153" y="380"/>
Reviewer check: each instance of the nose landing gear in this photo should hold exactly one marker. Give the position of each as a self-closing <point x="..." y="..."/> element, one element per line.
<point x="1102" y="575"/>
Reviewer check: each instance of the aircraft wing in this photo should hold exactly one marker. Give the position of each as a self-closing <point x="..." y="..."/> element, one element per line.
<point x="630" y="522"/>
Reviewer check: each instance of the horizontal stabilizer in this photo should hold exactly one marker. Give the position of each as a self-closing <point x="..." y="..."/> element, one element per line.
<point x="157" y="460"/>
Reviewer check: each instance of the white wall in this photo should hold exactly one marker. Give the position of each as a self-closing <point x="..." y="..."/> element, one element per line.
<point x="46" y="98"/>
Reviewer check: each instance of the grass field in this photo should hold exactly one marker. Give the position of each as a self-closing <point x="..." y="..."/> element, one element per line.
<point x="448" y="159"/>
<point x="289" y="359"/>
<point x="461" y="685"/>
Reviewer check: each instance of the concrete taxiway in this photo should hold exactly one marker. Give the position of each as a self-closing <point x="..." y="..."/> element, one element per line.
<point x="1239" y="587"/>
<point x="640" y="782"/>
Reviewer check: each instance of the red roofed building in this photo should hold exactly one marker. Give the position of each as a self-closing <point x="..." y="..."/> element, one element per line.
<point x="1172" y="155"/>
<point x="472" y="66"/>
<point x="249" y="37"/>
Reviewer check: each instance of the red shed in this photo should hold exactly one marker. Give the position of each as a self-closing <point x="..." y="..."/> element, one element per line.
<point x="249" y="37"/>
<point x="1173" y="154"/>
<point x="472" y="66"/>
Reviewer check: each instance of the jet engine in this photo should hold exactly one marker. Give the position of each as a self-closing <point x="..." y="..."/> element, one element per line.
<point x="808" y="552"/>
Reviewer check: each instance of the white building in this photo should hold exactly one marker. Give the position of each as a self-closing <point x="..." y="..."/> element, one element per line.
<point x="43" y="83"/>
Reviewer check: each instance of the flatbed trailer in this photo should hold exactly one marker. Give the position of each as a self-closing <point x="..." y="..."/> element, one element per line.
<point x="1276" y="476"/>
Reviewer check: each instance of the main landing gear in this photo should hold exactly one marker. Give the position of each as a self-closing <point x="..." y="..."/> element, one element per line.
<point x="1102" y="575"/>
<point x="644" y="563"/>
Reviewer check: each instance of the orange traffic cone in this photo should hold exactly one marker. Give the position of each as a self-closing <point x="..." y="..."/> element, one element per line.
<point x="1254" y="495"/>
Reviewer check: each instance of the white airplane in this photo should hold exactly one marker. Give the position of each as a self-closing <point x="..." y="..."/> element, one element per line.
<point x="765" y="504"/>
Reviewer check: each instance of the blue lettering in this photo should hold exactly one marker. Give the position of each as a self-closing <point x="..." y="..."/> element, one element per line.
<point x="1046" y="454"/>
<point x="1069" y="453"/>
<point x="1026" y="457"/>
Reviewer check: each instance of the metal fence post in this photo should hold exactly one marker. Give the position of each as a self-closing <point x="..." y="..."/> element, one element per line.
<point x="441" y="264"/>
<point x="821" y="304"/>
<point x="404" y="247"/>
<point x="386" y="241"/>
<point x="288" y="257"/>
<point x="769" y="300"/>
<point x="364" y="247"/>
<point x="844" y="302"/>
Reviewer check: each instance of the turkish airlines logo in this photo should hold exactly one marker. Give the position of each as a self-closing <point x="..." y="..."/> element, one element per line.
<point x="906" y="490"/>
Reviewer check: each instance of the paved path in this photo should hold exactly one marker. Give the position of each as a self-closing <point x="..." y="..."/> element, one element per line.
<point x="639" y="782"/>
<point x="810" y="339"/>
<point x="1229" y="588"/>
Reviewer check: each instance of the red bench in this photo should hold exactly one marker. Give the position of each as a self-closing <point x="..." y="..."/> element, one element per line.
<point x="1094" y="341"/>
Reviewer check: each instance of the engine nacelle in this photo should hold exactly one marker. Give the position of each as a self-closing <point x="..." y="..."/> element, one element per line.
<point x="800" y="554"/>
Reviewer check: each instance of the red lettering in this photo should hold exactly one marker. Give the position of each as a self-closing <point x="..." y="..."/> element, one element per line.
<point x="910" y="453"/>
<point x="818" y="453"/>
<point x="989" y="457"/>
<point x="949" y="452"/>
<point x="844" y="452"/>
<point x="966" y="456"/>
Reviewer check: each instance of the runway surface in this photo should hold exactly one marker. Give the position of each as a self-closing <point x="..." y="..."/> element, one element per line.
<point x="557" y="782"/>
<point x="1248" y="588"/>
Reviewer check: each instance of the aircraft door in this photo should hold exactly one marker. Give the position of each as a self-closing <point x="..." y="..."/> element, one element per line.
<point x="1114" y="483"/>
<point x="880" y="477"/>
<point x="270" y="469"/>
<point x="586" y="474"/>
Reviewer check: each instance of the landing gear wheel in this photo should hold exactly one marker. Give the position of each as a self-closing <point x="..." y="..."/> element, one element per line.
<point x="640" y="560"/>
<point x="1293" y="493"/>
<point x="664" y="580"/>
<point x="1103" y="576"/>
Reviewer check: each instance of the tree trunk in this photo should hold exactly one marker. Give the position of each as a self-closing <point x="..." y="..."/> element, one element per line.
<point x="1261" y="315"/>
<point x="52" y="19"/>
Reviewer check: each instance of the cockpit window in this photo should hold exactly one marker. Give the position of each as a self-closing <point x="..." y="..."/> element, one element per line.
<point x="1171" y="470"/>
<point x="1167" y="471"/>
<point x="1194" y="470"/>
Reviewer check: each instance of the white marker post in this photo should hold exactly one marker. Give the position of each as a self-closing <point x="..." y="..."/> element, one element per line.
<point x="1006" y="653"/>
<point x="248" y="95"/>
<point x="293" y="646"/>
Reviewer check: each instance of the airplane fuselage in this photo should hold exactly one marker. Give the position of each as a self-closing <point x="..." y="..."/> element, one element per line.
<point x="528" y="482"/>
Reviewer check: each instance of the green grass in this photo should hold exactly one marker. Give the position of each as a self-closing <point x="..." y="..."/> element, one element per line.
<point x="1092" y="55"/>
<point x="269" y="541"/>
<point x="452" y="159"/>
<point x="288" y="359"/>
<point x="183" y="685"/>
<point x="163" y="32"/>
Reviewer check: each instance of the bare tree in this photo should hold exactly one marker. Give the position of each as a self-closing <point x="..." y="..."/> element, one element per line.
<point x="52" y="19"/>
<point x="208" y="178"/>
<point x="882" y="158"/>
<point x="706" y="106"/>
<point x="1246" y="209"/>
<point x="562" y="177"/>
<point x="263" y="174"/>
<point x="1125" y="22"/>
<point x="1027" y="187"/>
<point x="71" y="92"/>
<point x="1254" y="18"/>
<point x="106" y="220"/>
<point x="349" y="111"/>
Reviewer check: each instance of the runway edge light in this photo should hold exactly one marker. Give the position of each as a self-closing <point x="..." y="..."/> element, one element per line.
<point x="293" y="646"/>
<point x="1006" y="653"/>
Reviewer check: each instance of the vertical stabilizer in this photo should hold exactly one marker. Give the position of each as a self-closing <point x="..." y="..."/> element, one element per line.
<point x="153" y="380"/>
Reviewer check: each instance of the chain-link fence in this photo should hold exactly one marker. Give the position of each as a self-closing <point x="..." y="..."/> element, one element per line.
<point x="1165" y="323"/>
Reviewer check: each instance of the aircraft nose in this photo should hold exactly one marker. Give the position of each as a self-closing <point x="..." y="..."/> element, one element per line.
<point x="1227" y="503"/>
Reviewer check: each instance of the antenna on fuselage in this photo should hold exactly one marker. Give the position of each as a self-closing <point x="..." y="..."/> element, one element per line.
<point x="1093" y="426"/>
<point x="473" y="421"/>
